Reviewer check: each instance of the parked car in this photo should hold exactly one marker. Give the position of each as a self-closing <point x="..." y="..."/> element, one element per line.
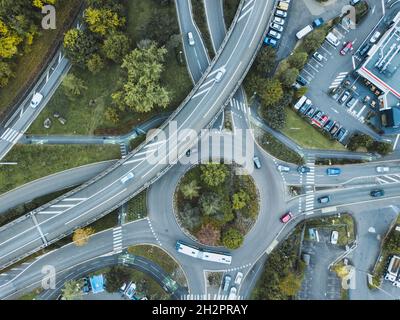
<point x="238" y="279"/>
<point x="324" y="199"/>
<point x="127" y="177"/>
<point x="304" y="108"/>
<point x="302" y="81"/>
<point x="348" y="46"/>
<point x="270" y="42"/>
<point x="328" y="126"/>
<point x="333" y="171"/>
<point x="382" y="169"/>
<point x="257" y="162"/>
<point x="232" y="294"/>
<point x="318" y="22"/>
<point x="341" y="135"/>
<point x="282" y="168"/>
<point x="377" y="193"/>
<point x="279" y="21"/>
<point x="281" y="13"/>
<point x="375" y="37"/>
<point x="311" y="112"/>
<point x="287" y="217"/>
<point x="334" y="237"/>
<point x="364" y="49"/>
<point x="36" y="99"/>
<point x="276" y="27"/>
<point x="335" y="129"/>
<point x="344" y="97"/>
<point x="191" y="39"/>
<point x="319" y="119"/>
<point x="317" y="56"/>
<point x="352" y="102"/>
<point x="274" y="34"/>
<point x="227" y="282"/>
<point x="303" y="169"/>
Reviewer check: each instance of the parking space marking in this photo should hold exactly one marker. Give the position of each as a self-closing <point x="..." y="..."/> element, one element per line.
<point x="311" y="66"/>
<point x="396" y="141"/>
<point x="326" y="50"/>
<point x="361" y="111"/>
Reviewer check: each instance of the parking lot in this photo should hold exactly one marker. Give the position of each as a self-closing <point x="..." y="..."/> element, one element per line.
<point x="319" y="283"/>
<point x="333" y="84"/>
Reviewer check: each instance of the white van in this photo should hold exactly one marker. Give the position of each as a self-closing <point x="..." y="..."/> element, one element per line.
<point x="332" y="39"/>
<point x="303" y="32"/>
<point x="36" y="99"/>
<point x="300" y="103"/>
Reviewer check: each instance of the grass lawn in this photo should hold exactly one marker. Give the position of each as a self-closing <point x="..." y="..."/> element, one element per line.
<point x="37" y="161"/>
<point x="31" y="63"/>
<point x="88" y="119"/>
<point x="306" y="135"/>
<point x="162" y="259"/>
<point x="137" y="207"/>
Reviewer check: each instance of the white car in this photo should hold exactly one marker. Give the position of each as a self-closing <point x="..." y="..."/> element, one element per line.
<point x="382" y="169"/>
<point x="219" y="75"/>
<point x="274" y="34"/>
<point x="232" y="294"/>
<point x="283" y="168"/>
<point x="375" y="37"/>
<point x="276" y="27"/>
<point x="317" y="56"/>
<point x="238" y="279"/>
<point x="281" y="13"/>
<point x="279" y="21"/>
<point x="334" y="237"/>
<point x="36" y="99"/>
<point x="128" y="177"/>
<point x="191" y="39"/>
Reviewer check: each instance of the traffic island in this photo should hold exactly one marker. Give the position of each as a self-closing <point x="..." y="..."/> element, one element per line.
<point x="215" y="206"/>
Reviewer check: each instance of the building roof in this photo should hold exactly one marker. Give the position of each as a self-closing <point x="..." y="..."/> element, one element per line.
<point x="392" y="117"/>
<point x="97" y="283"/>
<point x="382" y="66"/>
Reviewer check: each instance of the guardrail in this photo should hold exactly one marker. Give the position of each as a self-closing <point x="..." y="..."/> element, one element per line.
<point x="131" y="154"/>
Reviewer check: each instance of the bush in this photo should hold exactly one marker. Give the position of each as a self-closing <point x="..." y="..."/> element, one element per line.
<point x="232" y="239"/>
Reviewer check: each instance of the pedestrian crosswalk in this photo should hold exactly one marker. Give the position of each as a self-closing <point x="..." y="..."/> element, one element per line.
<point x="124" y="150"/>
<point x="388" y="179"/>
<point x="11" y="135"/>
<point x="338" y="80"/>
<point x="208" y="297"/>
<point x="117" y="240"/>
<point x="239" y="105"/>
<point x="310" y="182"/>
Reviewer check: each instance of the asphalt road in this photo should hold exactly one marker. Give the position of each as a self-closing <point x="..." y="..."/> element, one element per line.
<point x="107" y="193"/>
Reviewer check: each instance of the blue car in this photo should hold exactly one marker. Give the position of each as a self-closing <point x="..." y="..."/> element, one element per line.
<point x="333" y="171"/>
<point x="318" y="22"/>
<point x="270" y="42"/>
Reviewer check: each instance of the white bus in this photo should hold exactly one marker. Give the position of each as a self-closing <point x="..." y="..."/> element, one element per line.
<point x="202" y="254"/>
<point x="303" y="32"/>
<point x="300" y="103"/>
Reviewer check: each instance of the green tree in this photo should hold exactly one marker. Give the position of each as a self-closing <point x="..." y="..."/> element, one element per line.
<point x="95" y="63"/>
<point x="271" y="92"/>
<point x="73" y="86"/>
<point x="213" y="174"/>
<point x="301" y="92"/>
<point x="359" y="140"/>
<point x="72" y="290"/>
<point x="290" y="284"/>
<point x="265" y="61"/>
<point x="288" y="77"/>
<point x="190" y="190"/>
<point x="383" y="148"/>
<point x="115" y="277"/>
<point x="314" y="40"/>
<point x="116" y="47"/>
<point x="5" y="73"/>
<point x="111" y="115"/>
<point x="190" y="216"/>
<point x="210" y="204"/>
<point x="240" y="200"/>
<point x="142" y="90"/>
<point x="298" y="59"/>
<point x="79" y="46"/>
<point x="232" y="239"/>
<point x="103" y="20"/>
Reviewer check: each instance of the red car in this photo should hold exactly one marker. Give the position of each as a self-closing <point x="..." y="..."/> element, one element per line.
<point x="346" y="48"/>
<point x="286" y="217"/>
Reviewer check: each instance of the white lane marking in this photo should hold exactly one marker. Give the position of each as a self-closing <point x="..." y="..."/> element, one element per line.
<point x="396" y="141"/>
<point x="74" y="199"/>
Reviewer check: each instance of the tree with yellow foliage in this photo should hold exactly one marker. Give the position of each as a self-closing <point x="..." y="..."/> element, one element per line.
<point x="81" y="236"/>
<point x="103" y="21"/>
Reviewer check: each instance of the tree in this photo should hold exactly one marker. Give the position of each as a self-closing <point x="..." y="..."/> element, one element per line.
<point x="240" y="200"/>
<point x="301" y="92"/>
<point x="190" y="190"/>
<point x="95" y="63"/>
<point x="213" y="174"/>
<point x="115" y="277"/>
<point x="265" y="61"/>
<point x="232" y="239"/>
<point x="5" y="73"/>
<point x="271" y="92"/>
<point x="359" y="140"/>
<point x="103" y="21"/>
<point x="290" y="284"/>
<point x="210" y="204"/>
<point x="116" y="47"/>
<point x="190" y="216"/>
<point x="214" y="278"/>
<point x="383" y="148"/>
<point x="81" y="236"/>
<point x="73" y="86"/>
<point x="298" y="59"/>
<point x="111" y="115"/>
<point x="209" y="235"/>
<point x="314" y="40"/>
<point x="160" y="27"/>
<point x="79" y="46"/>
<point x="288" y="77"/>
<point x="72" y="290"/>
<point x="142" y="90"/>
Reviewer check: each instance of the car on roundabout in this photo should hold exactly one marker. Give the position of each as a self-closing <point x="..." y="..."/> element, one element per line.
<point x="287" y="217"/>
